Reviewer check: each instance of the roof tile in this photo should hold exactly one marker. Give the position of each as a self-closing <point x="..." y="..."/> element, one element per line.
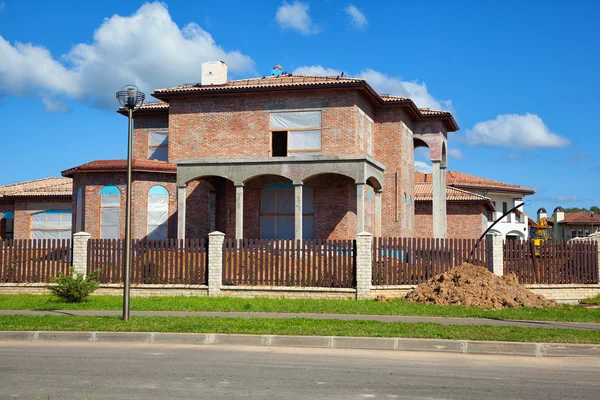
<point x="45" y="187"/>
<point x="121" y="165"/>
<point x="424" y="192"/>
<point x="466" y="181"/>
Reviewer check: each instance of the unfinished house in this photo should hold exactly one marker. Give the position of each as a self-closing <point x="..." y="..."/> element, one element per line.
<point x="277" y="157"/>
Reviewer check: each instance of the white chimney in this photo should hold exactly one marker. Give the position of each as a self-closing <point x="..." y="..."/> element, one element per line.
<point x="559" y="214"/>
<point x="541" y="214"/>
<point x="214" y="73"/>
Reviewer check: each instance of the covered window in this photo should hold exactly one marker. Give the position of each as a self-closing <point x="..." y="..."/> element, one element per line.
<point x="79" y="211"/>
<point x="158" y="146"/>
<point x="365" y="132"/>
<point x="302" y="132"/>
<point x="158" y="213"/>
<point x="277" y="212"/>
<point x="51" y="224"/>
<point x="110" y="212"/>
<point x="7" y="226"/>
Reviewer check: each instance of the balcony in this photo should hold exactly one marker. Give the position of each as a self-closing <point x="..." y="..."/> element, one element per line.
<point x="511" y="218"/>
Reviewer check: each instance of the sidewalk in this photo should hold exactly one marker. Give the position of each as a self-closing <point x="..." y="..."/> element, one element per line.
<point x="346" y="317"/>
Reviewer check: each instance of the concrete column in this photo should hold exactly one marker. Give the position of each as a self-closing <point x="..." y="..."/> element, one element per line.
<point x="181" y="204"/>
<point x="360" y="207"/>
<point x="215" y="262"/>
<point x="364" y="241"/>
<point x="439" y="200"/>
<point x="378" y="208"/>
<point x="80" y="252"/>
<point x="239" y="212"/>
<point x="495" y="254"/>
<point x="298" y="211"/>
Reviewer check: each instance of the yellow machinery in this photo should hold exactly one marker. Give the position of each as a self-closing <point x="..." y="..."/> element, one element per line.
<point x="539" y="234"/>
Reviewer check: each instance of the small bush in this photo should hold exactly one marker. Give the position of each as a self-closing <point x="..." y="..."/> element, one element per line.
<point x="74" y="287"/>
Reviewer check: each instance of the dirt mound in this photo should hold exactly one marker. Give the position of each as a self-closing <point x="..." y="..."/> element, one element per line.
<point x="469" y="285"/>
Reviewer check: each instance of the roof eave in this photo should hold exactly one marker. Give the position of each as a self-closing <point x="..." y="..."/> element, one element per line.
<point x="523" y="191"/>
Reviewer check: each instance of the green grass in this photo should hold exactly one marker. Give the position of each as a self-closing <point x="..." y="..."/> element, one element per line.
<point x="296" y="326"/>
<point x="592" y="300"/>
<point x="225" y="304"/>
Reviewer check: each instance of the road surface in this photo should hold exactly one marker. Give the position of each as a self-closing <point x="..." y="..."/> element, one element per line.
<point x="70" y="370"/>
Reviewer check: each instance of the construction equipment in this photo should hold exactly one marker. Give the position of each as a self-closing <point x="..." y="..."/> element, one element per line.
<point x="540" y="234"/>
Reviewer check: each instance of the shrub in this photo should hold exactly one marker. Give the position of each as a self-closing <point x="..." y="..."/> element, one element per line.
<point x="74" y="287"/>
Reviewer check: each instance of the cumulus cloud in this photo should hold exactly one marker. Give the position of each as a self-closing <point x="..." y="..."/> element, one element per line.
<point x="295" y="16"/>
<point x="386" y="84"/>
<point x="55" y="105"/>
<point x="357" y="18"/>
<point x="147" y="49"/>
<point x="422" y="166"/>
<point x="516" y="131"/>
<point x="456" y="154"/>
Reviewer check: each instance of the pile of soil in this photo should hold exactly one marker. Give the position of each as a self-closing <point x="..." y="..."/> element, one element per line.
<point x="474" y="286"/>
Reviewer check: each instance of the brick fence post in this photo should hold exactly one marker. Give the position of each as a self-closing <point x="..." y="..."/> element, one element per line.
<point x="495" y="254"/>
<point x="215" y="262"/>
<point x="364" y="241"/>
<point x="80" y="252"/>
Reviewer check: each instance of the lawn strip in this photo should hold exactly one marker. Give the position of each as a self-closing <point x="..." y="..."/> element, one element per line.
<point x="297" y="326"/>
<point x="317" y="306"/>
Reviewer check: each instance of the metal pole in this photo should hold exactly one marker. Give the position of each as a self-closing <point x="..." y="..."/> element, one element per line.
<point x="127" y="264"/>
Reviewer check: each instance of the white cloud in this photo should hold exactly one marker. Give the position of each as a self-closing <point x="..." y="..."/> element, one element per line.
<point x="55" y="105"/>
<point x="147" y="49"/>
<point x="295" y="16"/>
<point x="516" y="131"/>
<point x="385" y="84"/>
<point x="566" y="199"/>
<point x="357" y="18"/>
<point x="456" y="153"/>
<point x="422" y="166"/>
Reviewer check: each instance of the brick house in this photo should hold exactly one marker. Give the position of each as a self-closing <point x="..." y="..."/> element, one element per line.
<point x="274" y="157"/>
<point x="467" y="216"/>
<point x="569" y="225"/>
<point x="38" y="209"/>
<point x="503" y="197"/>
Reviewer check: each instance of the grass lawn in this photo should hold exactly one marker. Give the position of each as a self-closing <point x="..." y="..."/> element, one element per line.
<point x="592" y="300"/>
<point x="297" y="326"/>
<point x="369" y="307"/>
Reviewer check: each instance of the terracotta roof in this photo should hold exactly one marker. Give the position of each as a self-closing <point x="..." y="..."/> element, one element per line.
<point x="466" y="181"/>
<point x="121" y="166"/>
<point x="424" y="192"/>
<point x="290" y="81"/>
<point x="49" y="187"/>
<point x="149" y="107"/>
<point x="580" y="218"/>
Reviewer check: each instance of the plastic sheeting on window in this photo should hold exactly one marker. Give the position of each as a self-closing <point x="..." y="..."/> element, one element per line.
<point x="158" y="214"/>
<point x="282" y="201"/>
<point x="158" y="138"/>
<point x="110" y="214"/>
<point x="304" y="140"/>
<point x="158" y="146"/>
<point x="52" y="224"/>
<point x="295" y="120"/>
<point x="158" y="153"/>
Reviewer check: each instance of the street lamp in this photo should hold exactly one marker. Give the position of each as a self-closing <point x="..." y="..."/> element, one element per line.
<point x="130" y="97"/>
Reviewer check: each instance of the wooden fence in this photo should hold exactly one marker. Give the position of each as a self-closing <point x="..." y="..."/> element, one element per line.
<point x="553" y="263"/>
<point x="31" y="261"/>
<point x="152" y="261"/>
<point x="410" y="261"/>
<point x="308" y="263"/>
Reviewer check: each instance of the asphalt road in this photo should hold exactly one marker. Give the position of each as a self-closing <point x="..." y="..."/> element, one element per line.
<point x="69" y="370"/>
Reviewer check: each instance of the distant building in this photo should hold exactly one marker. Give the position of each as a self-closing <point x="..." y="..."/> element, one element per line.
<point x="569" y="225"/>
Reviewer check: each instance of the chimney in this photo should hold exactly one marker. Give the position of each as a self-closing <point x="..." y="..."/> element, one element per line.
<point x="541" y="214"/>
<point x="214" y="73"/>
<point x="559" y="214"/>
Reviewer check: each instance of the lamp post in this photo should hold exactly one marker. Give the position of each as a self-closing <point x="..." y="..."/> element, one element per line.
<point x="130" y="97"/>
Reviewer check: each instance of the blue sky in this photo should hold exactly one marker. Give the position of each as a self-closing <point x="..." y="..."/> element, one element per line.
<point x="520" y="77"/>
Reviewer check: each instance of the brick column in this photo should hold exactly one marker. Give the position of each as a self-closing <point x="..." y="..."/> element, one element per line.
<point x="215" y="262"/>
<point x="495" y="254"/>
<point x="80" y="253"/>
<point x="360" y="207"/>
<point x="364" y="241"/>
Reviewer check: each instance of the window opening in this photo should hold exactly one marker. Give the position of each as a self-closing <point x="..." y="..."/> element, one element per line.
<point x="51" y="224"/>
<point x="277" y="217"/>
<point x="279" y="144"/>
<point x="110" y="212"/>
<point x="158" y="146"/>
<point x="158" y="213"/>
<point x="303" y="129"/>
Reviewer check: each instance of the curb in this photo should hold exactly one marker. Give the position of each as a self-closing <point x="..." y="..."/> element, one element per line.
<point x="326" y="342"/>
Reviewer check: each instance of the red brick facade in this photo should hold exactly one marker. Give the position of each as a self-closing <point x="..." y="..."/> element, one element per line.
<point x="465" y="220"/>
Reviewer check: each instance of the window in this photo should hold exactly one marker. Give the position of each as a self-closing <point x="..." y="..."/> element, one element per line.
<point x="51" y="224"/>
<point x="277" y="212"/>
<point x="573" y="233"/>
<point x="504" y="207"/>
<point x="79" y="211"/>
<point x="110" y="212"/>
<point x="302" y="130"/>
<point x="158" y="213"/>
<point x="158" y="146"/>
<point x="365" y="133"/>
<point x="279" y="144"/>
<point x="7" y="226"/>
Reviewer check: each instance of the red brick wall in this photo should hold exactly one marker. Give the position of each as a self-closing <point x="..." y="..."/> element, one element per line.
<point x="465" y="220"/>
<point x="25" y="207"/>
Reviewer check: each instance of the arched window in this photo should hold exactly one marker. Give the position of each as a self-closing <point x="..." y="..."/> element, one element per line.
<point x="79" y="211"/>
<point x="158" y="213"/>
<point x="51" y="224"/>
<point x="110" y="212"/>
<point x="277" y="212"/>
<point x="7" y="226"/>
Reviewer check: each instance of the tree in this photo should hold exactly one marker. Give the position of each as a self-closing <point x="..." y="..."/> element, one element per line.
<point x="595" y="209"/>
